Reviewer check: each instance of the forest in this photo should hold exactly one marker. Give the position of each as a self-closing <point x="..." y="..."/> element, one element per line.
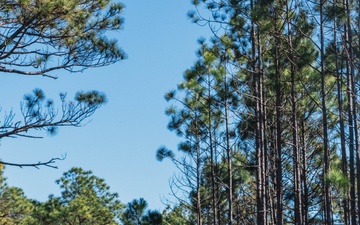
<point x="267" y="114"/>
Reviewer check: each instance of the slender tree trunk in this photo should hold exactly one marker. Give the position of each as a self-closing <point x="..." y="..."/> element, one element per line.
<point x="260" y="161"/>
<point x="357" y="150"/>
<point x="229" y="157"/>
<point x="272" y="169"/>
<point x="263" y="142"/>
<point x="198" y="175"/>
<point x="294" y="123"/>
<point x="327" y="189"/>
<point x="279" y="174"/>
<point x="212" y="163"/>
<point x="304" y="175"/>
<point x="354" y="104"/>
<point x="217" y="184"/>
<point x="259" y="154"/>
<point x="344" y="166"/>
<point x="351" y="152"/>
<point x="355" y="62"/>
<point x="265" y="169"/>
<point x="353" y="210"/>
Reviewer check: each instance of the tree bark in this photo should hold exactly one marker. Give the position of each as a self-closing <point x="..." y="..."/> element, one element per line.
<point x="212" y="157"/>
<point x="279" y="173"/>
<point x="326" y="169"/>
<point x="229" y="156"/>
<point x="294" y="124"/>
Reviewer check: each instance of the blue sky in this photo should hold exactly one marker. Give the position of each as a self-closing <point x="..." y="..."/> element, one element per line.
<point x="120" y="141"/>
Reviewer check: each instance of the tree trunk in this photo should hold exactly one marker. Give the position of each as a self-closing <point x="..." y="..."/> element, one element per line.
<point x="294" y="123"/>
<point x="344" y="166"/>
<point x="229" y="156"/>
<point x="353" y="99"/>
<point x="259" y="154"/>
<point x="198" y="175"/>
<point x="327" y="189"/>
<point x="305" y="199"/>
<point x="353" y="210"/>
<point x="279" y="174"/>
<point x="212" y="156"/>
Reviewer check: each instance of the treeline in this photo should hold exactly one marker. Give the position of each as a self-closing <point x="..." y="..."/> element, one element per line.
<point x="85" y="199"/>
<point x="269" y="115"/>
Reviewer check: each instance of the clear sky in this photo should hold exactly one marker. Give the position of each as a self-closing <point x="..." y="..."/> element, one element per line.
<point x="120" y="141"/>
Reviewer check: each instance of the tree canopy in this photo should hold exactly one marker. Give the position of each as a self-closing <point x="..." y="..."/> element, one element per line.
<point x="85" y="199"/>
<point x="44" y="37"/>
<point x="268" y="115"/>
<point x="41" y="36"/>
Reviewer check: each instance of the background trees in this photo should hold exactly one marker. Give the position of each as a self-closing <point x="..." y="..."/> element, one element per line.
<point x="15" y="207"/>
<point x="136" y="214"/>
<point x="85" y="199"/>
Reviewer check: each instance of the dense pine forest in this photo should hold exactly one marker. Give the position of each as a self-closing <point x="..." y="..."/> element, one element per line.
<point x="269" y="115"/>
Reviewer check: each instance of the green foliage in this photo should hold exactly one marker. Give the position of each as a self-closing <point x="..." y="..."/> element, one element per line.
<point x="15" y="208"/>
<point x="40" y="37"/>
<point x="163" y="153"/>
<point x="337" y="179"/>
<point x="85" y="199"/>
<point x="178" y="215"/>
<point x="264" y="71"/>
<point x="90" y="98"/>
<point x="39" y="113"/>
<point x="70" y="32"/>
<point x="153" y="217"/>
<point x="136" y="214"/>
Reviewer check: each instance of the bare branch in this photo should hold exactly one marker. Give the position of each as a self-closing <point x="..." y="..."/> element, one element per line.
<point x="36" y="165"/>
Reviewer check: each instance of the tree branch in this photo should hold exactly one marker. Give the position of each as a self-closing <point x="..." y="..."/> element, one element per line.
<point x="36" y="165"/>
